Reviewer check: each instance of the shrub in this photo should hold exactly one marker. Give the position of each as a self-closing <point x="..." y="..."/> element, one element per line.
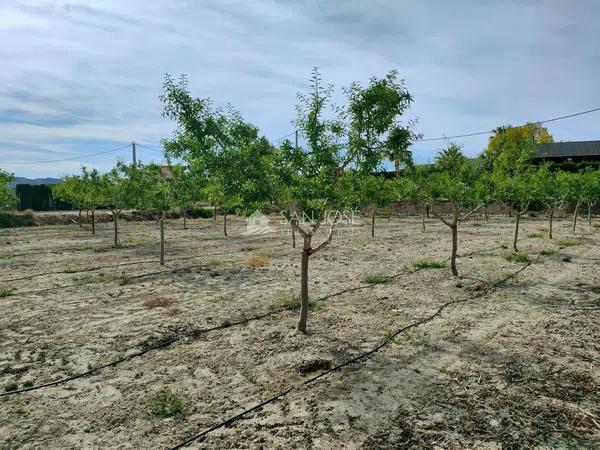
<point x="517" y="257"/>
<point x="547" y="252"/>
<point x="429" y="264"/>
<point x="13" y="220"/>
<point x="10" y="386"/>
<point x="376" y="279"/>
<point x="28" y="384"/>
<point x="563" y="243"/>
<point x="566" y="258"/>
<point x="165" y="403"/>
<point x="6" y="292"/>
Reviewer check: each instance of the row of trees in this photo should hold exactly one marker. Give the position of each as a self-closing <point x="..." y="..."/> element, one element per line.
<point x="216" y="156"/>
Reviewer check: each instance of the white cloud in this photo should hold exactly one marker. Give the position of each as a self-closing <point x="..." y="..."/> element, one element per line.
<point x="78" y="72"/>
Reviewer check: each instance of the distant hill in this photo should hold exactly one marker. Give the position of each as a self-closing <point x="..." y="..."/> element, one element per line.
<point x="23" y="180"/>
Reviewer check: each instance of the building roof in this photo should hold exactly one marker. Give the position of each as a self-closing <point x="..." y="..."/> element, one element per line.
<point x="568" y="149"/>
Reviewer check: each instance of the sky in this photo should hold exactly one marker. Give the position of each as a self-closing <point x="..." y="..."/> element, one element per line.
<point x="85" y="77"/>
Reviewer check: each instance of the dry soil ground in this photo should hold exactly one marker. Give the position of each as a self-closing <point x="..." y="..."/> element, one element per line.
<point x="516" y="367"/>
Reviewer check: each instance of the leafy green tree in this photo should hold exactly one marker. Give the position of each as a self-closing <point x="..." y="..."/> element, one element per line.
<point x="233" y="155"/>
<point x="7" y="196"/>
<point x="554" y="193"/>
<point x="338" y="138"/>
<point x="70" y="190"/>
<point x="508" y="158"/>
<point x="455" y="180"/>
<point x="417" y="188"/>
<point x="397" y="148"/>
<point x="517" y="191"/>
<point x="591" y="189"/>
<point x="117" y="192"/>
<point x="366" y="190"/>
<point x="91" y="186"/>
<point x="150" y="189"/>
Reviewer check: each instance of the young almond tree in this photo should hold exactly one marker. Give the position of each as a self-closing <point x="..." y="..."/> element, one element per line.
<point x="455" y="181"/>
<point x="116" y="194"/>
<point x="150" y="189"/>
<point x="517" y="191"/>
<point x="7" y="196"/>
<point x="70" y="190"/>
<point x="230" y="150"/>
<point x="591" y="188"/>
<point x="416" y="187"/>
<point x="339" y="138"/>
<point x="367" y="190"/>
<point x="92" y="192"/>
<point x="553" y="193"/>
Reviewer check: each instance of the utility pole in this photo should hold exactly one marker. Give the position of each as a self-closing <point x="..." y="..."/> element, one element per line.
<point x="133" y="153"/>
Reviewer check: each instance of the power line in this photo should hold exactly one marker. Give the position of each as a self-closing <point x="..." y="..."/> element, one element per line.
<point x="479" y="133"/>
<point x="68" y="159"/>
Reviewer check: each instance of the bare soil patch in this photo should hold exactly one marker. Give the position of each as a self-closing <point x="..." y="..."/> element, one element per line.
<point x="518" y="367"/>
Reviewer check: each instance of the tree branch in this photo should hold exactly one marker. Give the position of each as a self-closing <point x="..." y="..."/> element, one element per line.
<point x="470" y="213"/>
<point x="329" y="236"/>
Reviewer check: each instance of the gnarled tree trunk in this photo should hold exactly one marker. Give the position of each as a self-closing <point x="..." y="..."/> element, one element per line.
<point x="517" y="222"/>
<point x="454" y="228"/>
<point x="373" y="222"/>
<point x="575" y="214"/>
<point x="162" y="238"/>
<point x="304" y="303"/>
<point x="116" y="227"/>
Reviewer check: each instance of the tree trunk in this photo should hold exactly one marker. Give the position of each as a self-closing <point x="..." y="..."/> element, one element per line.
<point x="304" y="287"/>
<point x="116" y="224"/>
<point x="184" y="213"/>
<point x="551" y="222"/>
<point x="485" y="213"/>
<point x="454" y="228"/>
<point x="225" y="224"/>
<point x="162" y="238"/>
<point x="427" y="210"/>
<point x="215" y="213"/>
<point x="575" y="214"/>
<point x="517" y="222"/>
<point x="397" y="167"/>
<point x="93" y="222"/>
<point x="373" y="223"/>
<point x="80" y="219"/>
<point x="423" y="219"/>
<point x="293" y="237"/>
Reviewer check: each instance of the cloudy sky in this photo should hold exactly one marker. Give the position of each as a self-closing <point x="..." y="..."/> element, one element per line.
<point x="84" y="77"/>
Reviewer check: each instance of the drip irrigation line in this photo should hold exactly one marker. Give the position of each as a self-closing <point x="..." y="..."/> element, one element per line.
<point x="192" y="335"/>
<point x="358" y="358"/>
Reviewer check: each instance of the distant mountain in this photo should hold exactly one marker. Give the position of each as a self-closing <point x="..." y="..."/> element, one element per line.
<point x="23" y="180"/>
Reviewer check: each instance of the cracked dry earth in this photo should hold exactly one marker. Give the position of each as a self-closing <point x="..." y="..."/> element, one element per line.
<point x="517" y="367"/>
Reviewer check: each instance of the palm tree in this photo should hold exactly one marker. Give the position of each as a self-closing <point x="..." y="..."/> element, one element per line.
<point x="396" y="148"/>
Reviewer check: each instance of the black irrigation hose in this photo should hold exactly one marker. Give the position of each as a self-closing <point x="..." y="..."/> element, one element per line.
<point x="375" y="349"/>
<point x="193" y="334"/>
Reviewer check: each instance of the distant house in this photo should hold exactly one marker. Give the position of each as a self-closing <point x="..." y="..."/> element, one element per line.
<point x="559" y="152"/>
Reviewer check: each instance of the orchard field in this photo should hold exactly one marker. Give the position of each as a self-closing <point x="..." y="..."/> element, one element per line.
<point x="511" y="361"/>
